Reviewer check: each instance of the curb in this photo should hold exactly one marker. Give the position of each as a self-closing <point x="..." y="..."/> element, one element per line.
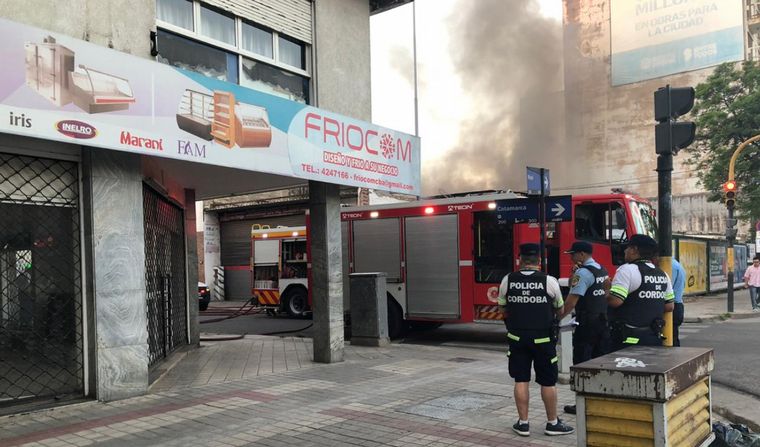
<point x="736" y="418"/>
<point x="722" y="317"/>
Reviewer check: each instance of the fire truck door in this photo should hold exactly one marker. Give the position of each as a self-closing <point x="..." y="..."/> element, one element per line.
<point x="432" y="266"/>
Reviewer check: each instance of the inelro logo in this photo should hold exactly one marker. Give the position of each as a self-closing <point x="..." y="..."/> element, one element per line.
<point x="76" y="129"/>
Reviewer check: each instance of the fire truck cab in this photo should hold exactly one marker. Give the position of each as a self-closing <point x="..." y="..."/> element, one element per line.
<point x="279" y="269"/>
<point x="445" y="258"/>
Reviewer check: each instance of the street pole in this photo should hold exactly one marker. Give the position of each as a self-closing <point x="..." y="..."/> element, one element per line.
<point x="664" y="202"/>
<point x="730" y="234"/>
<point x="542" y="222"/>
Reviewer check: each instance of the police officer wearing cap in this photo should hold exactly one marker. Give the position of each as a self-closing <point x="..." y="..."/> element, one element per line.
<point x="591" y="338"/>
<point x="639" y="296"/>
<point x="531" y="301"/>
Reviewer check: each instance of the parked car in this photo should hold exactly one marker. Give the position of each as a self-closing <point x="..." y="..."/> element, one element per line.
<point x="204" y="296"/>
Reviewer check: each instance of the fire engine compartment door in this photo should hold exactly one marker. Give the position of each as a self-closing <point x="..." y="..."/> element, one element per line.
<point x="377" y="247"/>
<point x="432" y="266"/>
<point x="266" y="252"/>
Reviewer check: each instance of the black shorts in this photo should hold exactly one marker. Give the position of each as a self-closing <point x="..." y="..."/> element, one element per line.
<point x="542" y="356"/>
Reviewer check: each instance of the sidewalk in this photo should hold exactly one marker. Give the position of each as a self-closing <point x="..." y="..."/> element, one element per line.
<point x="266" y="391"/>
<point x="273" y="395"/>
<point x="698" y="309"/>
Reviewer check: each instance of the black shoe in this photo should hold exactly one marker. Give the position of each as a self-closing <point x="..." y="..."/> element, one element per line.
<point x="560" y="428"/>
<point x="570" y="409"/>
<point x="522" y="429"/>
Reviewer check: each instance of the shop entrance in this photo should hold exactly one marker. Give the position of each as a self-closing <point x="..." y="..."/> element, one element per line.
<point x="41" y="341"/>
<point x="164" y="275"/>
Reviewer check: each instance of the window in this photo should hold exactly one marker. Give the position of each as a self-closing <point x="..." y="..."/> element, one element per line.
<point x="600" y="222"/>
<point x="176" y="12"/>
<point x="204" y="59"/>
<point x="266" y="78"/>
<point x="269" y="61"/>
<point x="217" y="26"/>
<point x="644" y="219"/>
<point x="493" y="248"/>
<point x="291" y="53"/>
<point x="257" y="40"/>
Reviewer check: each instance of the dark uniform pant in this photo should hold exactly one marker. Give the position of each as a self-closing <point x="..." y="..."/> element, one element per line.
<point x="533" y="349"/>
<point x="591" y="338"/>
<point x="625" y="337"/>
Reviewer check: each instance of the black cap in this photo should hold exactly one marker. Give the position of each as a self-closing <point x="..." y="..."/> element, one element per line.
<point x="580" y="246"/>
<point x="642" y="240"/>
<point x="529" y="249"/>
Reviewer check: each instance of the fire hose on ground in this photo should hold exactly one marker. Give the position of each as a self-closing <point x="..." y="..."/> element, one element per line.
<point x="242" y="311"/>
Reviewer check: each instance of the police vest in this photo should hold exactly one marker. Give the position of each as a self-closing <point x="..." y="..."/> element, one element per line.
<point x="647" y="303"/>
<point x="594" y="301"/>
<point x="529" y="306"/>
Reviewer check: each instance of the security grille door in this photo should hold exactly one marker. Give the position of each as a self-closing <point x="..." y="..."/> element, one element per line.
<point x="41" y="348"/>
<point x="164" y="275"/>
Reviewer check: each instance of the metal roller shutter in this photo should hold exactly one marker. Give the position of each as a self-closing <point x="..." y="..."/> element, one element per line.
<point x="290" y="17"/>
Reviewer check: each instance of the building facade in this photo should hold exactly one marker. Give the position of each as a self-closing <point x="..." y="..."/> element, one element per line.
<point x="99" y="252"/>
<point x="609" y="118"/>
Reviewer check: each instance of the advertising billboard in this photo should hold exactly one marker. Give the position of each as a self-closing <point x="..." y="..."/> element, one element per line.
<point x="718" y="266"/>
<point x="655" y="38"/>
<point x="693" y="257"/>
<point x="59" y="88"/>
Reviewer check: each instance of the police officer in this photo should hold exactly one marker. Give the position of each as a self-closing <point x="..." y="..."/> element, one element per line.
<point x="639" y="296"/>
<point x="531" y="301"/>
<point x="591" y="338"/>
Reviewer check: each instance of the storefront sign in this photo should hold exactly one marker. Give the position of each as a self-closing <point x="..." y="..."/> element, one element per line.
<point x="59" y="88"/>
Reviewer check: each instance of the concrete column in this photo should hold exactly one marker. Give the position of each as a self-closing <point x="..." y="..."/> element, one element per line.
<point x="212" y="254"/>
<point x="191" y="236"/>
<point x="369" y="309"/>
<point x="115" y="205"/>
<point x="326" y="266"/>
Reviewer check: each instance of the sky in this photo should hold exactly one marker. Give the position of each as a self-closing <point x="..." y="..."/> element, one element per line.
<point x="466" y="77"/>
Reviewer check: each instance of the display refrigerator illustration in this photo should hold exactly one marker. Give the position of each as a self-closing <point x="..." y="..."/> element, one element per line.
<point x="48" y="65"/>
<point x="51" y="72"/>
<point x="95" y="92"/>
<point x="196" y="114"/>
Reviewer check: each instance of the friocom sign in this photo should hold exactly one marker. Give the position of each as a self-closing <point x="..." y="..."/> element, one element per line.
<point x="60" y="88"/>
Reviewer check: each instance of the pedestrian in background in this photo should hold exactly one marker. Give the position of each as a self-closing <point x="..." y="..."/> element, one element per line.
<point x="679" y="285"/>
<point x="591" y="338"/>
<point x="639" y="296"/>
<point x="531" y="301"/>
<point x="752" y="282"/>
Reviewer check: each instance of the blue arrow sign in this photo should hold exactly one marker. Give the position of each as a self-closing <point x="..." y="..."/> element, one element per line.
<point x="558" y="209"/>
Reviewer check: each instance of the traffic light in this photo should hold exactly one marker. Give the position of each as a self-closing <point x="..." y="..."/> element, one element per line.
<point x="729" y="192"/>
<point x="669" y="104"/>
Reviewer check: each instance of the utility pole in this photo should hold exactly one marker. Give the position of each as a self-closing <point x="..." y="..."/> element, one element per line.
<point x="670" y="137"/>
<point x="729" y="189"/>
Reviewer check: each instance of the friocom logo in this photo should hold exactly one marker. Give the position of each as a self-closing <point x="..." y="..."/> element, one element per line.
<point x="76" y="129"/>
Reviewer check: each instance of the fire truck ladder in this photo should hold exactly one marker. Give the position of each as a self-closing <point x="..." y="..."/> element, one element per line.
<point x="223" y="124"/>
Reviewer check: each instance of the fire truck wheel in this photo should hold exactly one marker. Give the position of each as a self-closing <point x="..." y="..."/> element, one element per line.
<point x="296" y="302"/>
<point x="396" y="325"/>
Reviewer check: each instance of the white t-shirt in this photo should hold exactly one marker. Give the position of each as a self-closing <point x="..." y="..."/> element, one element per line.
<point x="552" y="288"/>
<point x="628" y="278"/>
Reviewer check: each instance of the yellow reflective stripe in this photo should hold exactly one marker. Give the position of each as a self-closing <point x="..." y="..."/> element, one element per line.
<point x="538" y="341"/>
<point x="619" y="290"/>
<point x="670" y="296"/>
<point x="554" y="360"/>
<point x="631" y="340"/>
<point x="513" y="337"/>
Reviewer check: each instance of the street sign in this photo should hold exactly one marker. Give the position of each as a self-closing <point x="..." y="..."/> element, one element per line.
<point x="557" y="209"/>
<point x="535" y="179"/>
<point x="517" y="211"/>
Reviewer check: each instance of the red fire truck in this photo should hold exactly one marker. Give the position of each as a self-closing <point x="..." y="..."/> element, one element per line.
<point x="279" y="269"/>
<point x="445" y="257"/>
